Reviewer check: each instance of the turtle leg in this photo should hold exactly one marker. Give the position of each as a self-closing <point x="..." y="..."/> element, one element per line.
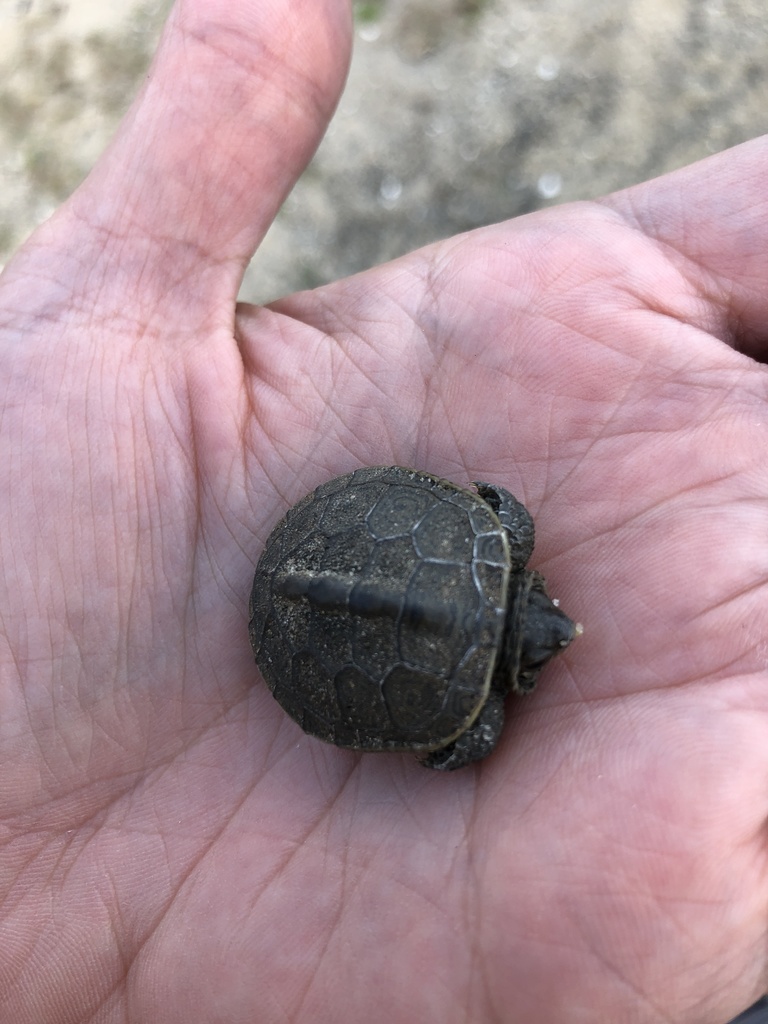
<point x="516" y="520"/>
<point x="474" y="744"/>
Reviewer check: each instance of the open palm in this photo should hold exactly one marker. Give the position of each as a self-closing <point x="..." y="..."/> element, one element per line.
<point x="173" y="848"/>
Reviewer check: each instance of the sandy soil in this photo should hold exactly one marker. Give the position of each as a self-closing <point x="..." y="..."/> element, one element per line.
<point x="457" y="113"/>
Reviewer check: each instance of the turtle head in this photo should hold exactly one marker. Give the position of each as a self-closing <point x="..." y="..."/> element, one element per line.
<point x="538" y="630"/>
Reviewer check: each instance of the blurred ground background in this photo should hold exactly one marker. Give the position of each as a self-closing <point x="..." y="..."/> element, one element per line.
<point x="457" y="113"/>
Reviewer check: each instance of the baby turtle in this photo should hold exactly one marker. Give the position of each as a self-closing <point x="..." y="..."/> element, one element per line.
<point x="392" y="610"/>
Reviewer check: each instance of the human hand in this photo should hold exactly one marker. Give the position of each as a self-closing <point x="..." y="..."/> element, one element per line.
<point x="173" y="848"/>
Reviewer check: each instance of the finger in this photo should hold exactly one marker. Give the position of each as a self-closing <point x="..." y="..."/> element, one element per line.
<point x="235" y="103"/>
<point x="714" y="215"/>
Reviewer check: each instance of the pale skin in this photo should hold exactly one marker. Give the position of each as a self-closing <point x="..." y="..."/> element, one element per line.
<point x="173" y="849"/>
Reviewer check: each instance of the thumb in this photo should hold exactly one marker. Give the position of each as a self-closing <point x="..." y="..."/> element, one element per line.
<point x="234" y="105"/>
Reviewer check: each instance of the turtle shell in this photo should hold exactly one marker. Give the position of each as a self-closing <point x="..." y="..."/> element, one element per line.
<point x="378" y="609"/>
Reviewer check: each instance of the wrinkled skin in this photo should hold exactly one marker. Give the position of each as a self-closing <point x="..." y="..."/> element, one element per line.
<point x="172" y="849"/>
